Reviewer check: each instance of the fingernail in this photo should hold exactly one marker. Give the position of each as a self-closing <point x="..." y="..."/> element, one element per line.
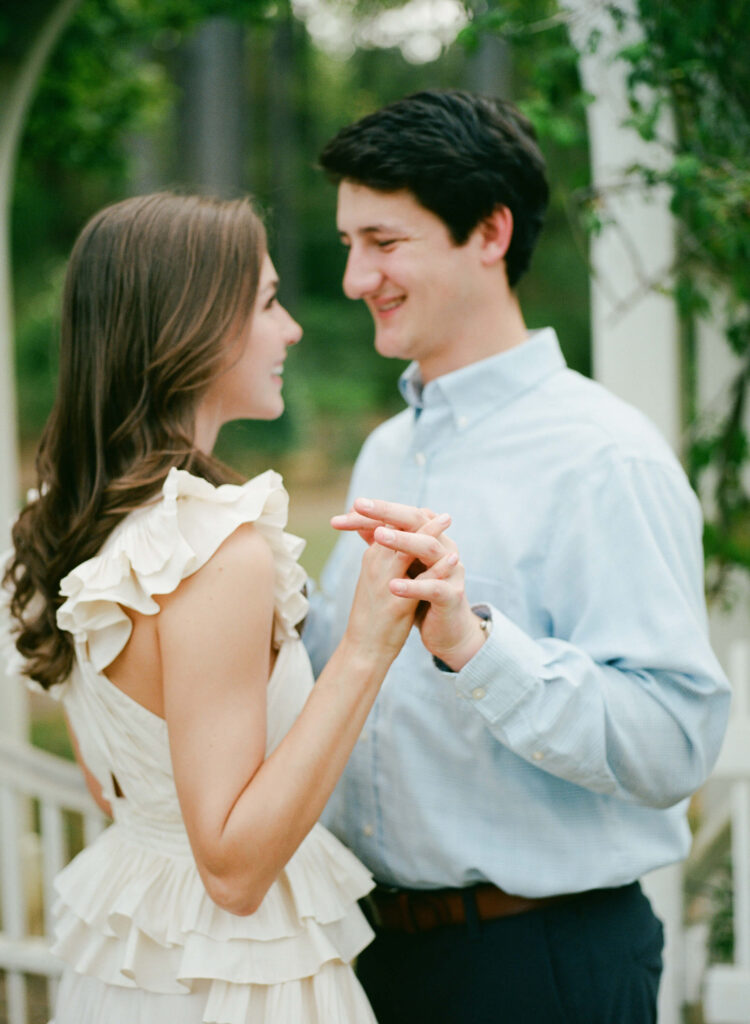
<point x="399" y="586"/>
<point x="365" y="503"/>
<point x="383" y="533"/>
<point x="453" y="559"/>
<point x="444" y="517"/>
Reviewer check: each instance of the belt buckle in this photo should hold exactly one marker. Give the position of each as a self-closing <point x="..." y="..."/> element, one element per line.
<point x="369" y="903"/>
<point x="408" y="913"/>
<point x="436" y="905"/>
<point x="370" y="910"/>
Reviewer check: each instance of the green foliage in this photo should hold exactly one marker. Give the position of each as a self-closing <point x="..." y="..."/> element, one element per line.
<point x="545" y="73"/>
<point x="49" y="732"/>
<point x="693" y="59"/>
<point x="689" y="59"/>
<point x="107" y="78"/>
<point x="93" y="95"/>
<point x="36" y="359"/>
<point x="545" y="60"/>
<point x="115" y="76"/>
<point x="19" y="24"/>
<point x="721" y="929"/>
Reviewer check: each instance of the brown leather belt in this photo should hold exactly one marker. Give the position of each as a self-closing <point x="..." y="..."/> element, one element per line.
<point x="421" y="910"/>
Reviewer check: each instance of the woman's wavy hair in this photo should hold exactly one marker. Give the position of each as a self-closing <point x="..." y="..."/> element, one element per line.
<point x="155" y="291"/>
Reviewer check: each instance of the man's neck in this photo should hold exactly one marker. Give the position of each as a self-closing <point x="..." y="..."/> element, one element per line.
<point x="498" y="328"/>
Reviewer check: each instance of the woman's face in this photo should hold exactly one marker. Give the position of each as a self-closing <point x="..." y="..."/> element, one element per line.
<point x="250" y="387"/>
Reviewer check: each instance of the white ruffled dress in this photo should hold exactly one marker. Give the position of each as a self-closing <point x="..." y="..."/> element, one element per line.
<point x="143" y="941"/>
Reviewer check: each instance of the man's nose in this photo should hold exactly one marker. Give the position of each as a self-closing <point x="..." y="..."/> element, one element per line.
<point x="361" y="277"/>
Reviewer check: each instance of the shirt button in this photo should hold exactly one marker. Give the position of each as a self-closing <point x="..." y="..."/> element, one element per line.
<point x="420" y="458"/>
<point x="538" y="755"/>
<point x="463" y="421"/>
<point x="478" y="692"/>
<point x="364" y="735"/>
<point x="368" y="830"/>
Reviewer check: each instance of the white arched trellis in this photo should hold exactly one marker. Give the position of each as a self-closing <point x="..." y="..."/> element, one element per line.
<point x="17" y="91"/>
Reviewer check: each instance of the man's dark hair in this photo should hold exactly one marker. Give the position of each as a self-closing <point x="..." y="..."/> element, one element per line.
<point x="459" y="154"/>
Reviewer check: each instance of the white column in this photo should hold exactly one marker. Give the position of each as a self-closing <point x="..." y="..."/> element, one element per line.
<point x="634" y="329"/>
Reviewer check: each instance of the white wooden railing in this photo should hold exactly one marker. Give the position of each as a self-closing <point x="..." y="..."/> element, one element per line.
<point x="46" y="813"/>
<point x="724" y="989"/>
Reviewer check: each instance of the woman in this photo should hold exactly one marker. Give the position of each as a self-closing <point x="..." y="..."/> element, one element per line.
<point x="159" y="599"/>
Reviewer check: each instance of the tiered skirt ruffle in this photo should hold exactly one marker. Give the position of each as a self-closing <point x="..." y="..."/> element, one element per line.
<point x="136" y="917"/>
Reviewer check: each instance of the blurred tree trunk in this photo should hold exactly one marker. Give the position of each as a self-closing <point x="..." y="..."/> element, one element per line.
<point x="213" y="115"/>
<point x="19" y="75"/>
<point x="489" y="68"/>
<point x="283" y="150"/>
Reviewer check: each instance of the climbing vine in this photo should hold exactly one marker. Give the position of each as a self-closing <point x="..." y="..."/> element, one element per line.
<point x="691" y="58"/>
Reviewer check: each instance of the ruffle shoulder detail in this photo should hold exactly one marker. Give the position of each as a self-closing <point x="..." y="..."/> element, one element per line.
<point x="159" y="545"/>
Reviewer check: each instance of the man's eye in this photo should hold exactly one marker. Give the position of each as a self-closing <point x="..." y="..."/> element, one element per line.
<point x="386" y="242"/>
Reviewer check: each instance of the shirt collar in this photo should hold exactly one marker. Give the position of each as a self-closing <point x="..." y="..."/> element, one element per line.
<point x="474" y="390"/>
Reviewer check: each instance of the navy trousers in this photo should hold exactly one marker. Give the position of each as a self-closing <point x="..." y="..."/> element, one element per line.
<point x="593" y="959"/>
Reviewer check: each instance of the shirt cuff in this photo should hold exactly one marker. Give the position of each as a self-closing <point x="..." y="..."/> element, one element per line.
<point x="507" y="665"/>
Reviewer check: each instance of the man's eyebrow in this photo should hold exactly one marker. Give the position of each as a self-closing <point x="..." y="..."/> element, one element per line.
<point x="375" y="229"/>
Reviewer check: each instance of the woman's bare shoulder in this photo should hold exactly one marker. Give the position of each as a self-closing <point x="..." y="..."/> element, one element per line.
<point x="241" y="569"/>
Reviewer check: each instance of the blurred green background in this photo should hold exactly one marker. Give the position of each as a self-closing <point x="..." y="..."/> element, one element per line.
<point x="231" y="97"/>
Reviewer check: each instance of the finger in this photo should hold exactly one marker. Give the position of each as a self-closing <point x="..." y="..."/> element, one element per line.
<point x="442" y="569"/>
<point x="396" y="562"/>
<point x="423" y="546"/>
<point x="353" y="521"/>
<point x="436" y="525"/>
<point x="441" y="593"/>
<point x="405" y="517"/>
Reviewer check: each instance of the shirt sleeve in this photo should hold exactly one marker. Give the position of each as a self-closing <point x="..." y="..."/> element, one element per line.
<point x="624" y="696"/>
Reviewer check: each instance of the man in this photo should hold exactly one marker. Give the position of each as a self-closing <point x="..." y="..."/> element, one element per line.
<point x="507" y="800"/>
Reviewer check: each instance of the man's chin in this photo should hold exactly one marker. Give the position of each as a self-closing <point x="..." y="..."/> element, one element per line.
<point x="391" y="347"/>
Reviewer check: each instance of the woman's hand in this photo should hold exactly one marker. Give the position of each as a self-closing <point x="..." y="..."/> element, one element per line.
<point x="434" y="576"/>
<point x="357" y="519"/>
<point x="382" y="614"/>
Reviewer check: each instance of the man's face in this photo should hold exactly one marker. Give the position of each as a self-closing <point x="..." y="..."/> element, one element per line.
<point x="419" y="286"/>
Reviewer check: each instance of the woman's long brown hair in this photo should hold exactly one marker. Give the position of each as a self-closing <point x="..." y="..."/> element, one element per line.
<point x="155" y="289"/>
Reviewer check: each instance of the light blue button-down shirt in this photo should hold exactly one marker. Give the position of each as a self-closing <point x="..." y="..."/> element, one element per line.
<point x="560" y="757"/>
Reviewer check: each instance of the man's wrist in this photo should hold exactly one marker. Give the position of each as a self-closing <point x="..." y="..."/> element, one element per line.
<point x="455" y="660"/>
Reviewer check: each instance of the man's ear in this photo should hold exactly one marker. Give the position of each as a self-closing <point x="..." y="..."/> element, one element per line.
<point x="495" y="233"/>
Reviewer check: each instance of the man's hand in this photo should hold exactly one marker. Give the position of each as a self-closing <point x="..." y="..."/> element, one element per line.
<point x="449" y="629"/>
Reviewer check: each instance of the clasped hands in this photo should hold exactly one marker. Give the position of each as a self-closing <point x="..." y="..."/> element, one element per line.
<point x="449" y="629"/>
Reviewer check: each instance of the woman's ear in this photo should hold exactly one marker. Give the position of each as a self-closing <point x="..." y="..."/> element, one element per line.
<point x="495" y="233"/>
